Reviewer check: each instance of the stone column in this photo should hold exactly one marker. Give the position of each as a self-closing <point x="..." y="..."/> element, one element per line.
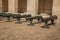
<point x="12" y="6"/>
<point x="1" y="5"/>
<point x="56" y="7"/>
<point x="32" y="6"/>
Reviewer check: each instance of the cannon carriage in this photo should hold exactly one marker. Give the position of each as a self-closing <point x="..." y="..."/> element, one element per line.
<point x="28" y="17"/>
<point x="19" y="16"/>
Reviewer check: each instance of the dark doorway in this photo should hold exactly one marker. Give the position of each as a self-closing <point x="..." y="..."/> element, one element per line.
<point x="45" y="6"/>
<point x="22" y="6"/>
<point x="5" y="5"/>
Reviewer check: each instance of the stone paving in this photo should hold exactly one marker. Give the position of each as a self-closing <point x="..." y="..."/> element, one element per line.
<point x="12" y="31"/>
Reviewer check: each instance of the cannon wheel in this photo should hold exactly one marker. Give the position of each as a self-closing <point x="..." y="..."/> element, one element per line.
<point x="31" y="24"/>
<point x="18" y="22"/>
<point x="8" y="19"/>
<point x="46" y="25"/>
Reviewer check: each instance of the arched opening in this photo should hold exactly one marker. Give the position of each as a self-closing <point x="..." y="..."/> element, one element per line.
<point x="22" y="6"/>
<point x="5" y="5"/>
<point x="45" y="6"/>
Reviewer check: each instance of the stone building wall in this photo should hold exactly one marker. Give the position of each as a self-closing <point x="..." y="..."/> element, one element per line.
<point x="32" y="6"/>
<point x="0" y="5"/>
<point x="56" y="7"/>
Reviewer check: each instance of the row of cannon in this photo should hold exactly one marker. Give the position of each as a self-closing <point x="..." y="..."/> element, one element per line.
<point x="28" y="17"/>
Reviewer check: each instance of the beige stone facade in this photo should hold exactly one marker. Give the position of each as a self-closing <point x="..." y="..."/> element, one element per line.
<point x="0" y="5"/>
<point x="32" y="6"/>
<point x="56" y="7"/>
